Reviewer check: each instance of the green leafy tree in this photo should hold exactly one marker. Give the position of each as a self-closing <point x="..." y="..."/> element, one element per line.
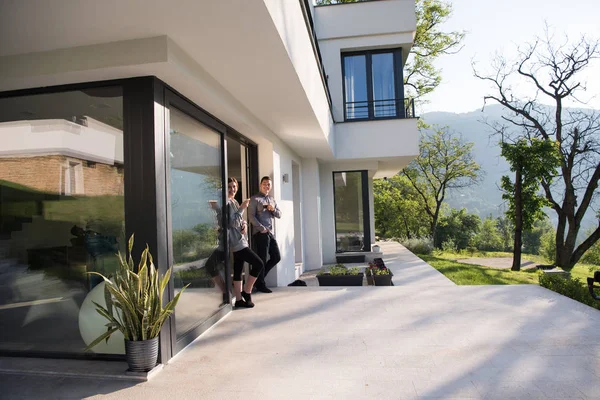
<point x="555" y="70"/>
<point x="592" y="255"/>
<point x="445" y="162"/>
<point x="506" y="229"/>
<point x="398" y="209"/>
<point x="531" y="161"/>
<point x="420" y="75"/>
<point x="458" y="228"/>
<point x="532" y="239"/>
<point x="489" y="237"/>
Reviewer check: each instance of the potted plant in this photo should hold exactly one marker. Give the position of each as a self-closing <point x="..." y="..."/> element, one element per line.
<point x="339" y="275"/>
<point x="378" y="275"/>
<point x="134" y="306"/>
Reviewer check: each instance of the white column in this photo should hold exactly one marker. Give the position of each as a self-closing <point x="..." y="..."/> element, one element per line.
<point x="311" y="213"/>
<point x="328" y="214"/>
<point x="371" y="208"/>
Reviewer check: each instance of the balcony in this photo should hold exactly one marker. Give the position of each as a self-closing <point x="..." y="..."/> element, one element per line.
<point x="379" y="109"/>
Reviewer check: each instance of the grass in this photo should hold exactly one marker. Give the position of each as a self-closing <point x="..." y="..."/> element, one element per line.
<point x="468" y="274"/>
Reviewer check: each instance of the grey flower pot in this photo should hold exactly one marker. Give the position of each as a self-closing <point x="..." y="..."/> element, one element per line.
<point x="141" y="355"/>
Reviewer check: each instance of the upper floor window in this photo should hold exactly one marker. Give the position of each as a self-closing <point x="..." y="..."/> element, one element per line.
<point x="373" y="84"/>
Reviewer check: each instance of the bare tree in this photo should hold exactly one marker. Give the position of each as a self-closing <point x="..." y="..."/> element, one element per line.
<point x="554" y="70"/>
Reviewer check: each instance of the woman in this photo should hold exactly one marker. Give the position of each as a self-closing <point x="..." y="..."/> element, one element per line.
<point x="238" y="243"/>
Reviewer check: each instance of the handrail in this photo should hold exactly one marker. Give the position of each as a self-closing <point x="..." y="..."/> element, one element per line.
<point x="384" y="108"/>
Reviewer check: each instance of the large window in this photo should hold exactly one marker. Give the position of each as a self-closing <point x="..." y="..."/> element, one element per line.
<point x="195" y="170"/>
<point x="352" y="226"/>
<point x="62" y="216"/>
<point x="373" y="85"/>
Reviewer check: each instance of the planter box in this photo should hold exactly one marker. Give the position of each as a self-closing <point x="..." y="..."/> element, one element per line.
<point x="340" y="280"/>
<point x="380" y="280"/>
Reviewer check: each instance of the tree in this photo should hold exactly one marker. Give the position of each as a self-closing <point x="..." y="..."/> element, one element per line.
<point x="532" y="161"/>
<point x="398" y="209"/>
<point x="458" y="228"/>
<point x="506" y="229"/>
<point x="444" y="162"/>
<point x="420" y="76"/>
<point x="532" y="239"/>
<point x="489" y="237"/>
<point x="554" y="71"/>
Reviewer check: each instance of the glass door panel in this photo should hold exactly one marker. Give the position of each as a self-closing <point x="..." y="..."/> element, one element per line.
<point x="195" y="171"/>
<point x="349" y="211"/>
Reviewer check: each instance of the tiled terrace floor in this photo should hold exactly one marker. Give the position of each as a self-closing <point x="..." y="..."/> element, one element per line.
<point x="423" y="338"/>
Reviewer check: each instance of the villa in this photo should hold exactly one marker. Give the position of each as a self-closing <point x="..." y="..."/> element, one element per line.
<point x="121" y="117"/>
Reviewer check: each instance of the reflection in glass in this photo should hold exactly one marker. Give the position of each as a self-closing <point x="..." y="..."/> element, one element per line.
<point x="384" y="97"/>
<point x="355" y="81"/>
<point x="61" y="213"/>
<point x="349" y="222"/>
<point x="196" y="204"/>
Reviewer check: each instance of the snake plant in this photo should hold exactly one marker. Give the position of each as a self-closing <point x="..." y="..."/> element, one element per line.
<point x="134" y="301"/>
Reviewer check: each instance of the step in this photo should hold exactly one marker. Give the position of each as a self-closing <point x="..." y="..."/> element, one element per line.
<point x="350" y="258"/>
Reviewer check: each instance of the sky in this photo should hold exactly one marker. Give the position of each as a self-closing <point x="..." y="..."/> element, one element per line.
<point x="498" y="27"/>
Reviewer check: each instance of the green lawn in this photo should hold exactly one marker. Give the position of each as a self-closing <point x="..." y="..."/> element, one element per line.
<point x="468" y="274"/>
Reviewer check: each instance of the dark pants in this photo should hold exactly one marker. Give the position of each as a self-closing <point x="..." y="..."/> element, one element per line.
<point x="246" y="255"/>
<point x="265" y="244"/>
<point x="212" y="264"/>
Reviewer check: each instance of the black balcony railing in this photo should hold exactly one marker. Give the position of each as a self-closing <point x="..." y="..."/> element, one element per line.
<point x="379" y="109"/>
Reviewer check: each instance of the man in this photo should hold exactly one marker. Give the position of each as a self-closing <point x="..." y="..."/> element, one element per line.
<point x="262" y="212"/>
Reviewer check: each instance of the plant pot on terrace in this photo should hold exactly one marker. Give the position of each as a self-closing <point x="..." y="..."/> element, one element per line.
<point x="339" y="275"/>
<point x="378" y="274"/>
<point x="134" y="307"/>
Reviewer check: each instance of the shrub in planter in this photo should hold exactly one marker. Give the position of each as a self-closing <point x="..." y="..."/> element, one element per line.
<point x="339" y="275"/>
<point x="134" y="306"/>
<point x="378" y="275"/>
<point x="570" y="287"/>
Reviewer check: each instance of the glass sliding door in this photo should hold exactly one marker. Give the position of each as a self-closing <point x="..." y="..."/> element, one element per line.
<point x="61" y="217"/>
<point x="355" y="87"/>
<point x="195" y="171"/>
<point x="351" y="211"/>
<point x="384" y="87"/>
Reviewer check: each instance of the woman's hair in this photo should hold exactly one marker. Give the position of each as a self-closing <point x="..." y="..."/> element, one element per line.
<point x="232" y="179"/>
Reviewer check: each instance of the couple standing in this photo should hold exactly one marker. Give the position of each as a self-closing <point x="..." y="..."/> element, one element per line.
<point x="262" y="211"/>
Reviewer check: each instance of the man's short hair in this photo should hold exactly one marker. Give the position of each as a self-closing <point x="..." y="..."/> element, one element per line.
<point x="265" y="178"/>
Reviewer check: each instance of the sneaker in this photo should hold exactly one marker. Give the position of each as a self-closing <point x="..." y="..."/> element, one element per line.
<point x="264" y="289"/>
<point x="240" y="304"/>
<point x="248" y="299"/>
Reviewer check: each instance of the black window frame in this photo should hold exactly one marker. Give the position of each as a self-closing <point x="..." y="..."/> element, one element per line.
<point x="364" y="176"/>
<point x="398" y="83"/>
<point x="146" y="188"/>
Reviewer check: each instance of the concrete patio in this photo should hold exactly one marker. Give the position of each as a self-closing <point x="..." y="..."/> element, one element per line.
<point x="423" y="338"/>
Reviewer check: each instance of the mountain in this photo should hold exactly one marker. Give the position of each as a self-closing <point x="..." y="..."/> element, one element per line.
<point x="485" y="198"/>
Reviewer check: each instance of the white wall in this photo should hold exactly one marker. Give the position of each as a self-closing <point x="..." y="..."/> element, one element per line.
<point x="365" y="19"/>
<point x="275" y="160"/>
<point x="311" y="214"/>
<point x="292" y="28"/>
<point x="377" y="139"/>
